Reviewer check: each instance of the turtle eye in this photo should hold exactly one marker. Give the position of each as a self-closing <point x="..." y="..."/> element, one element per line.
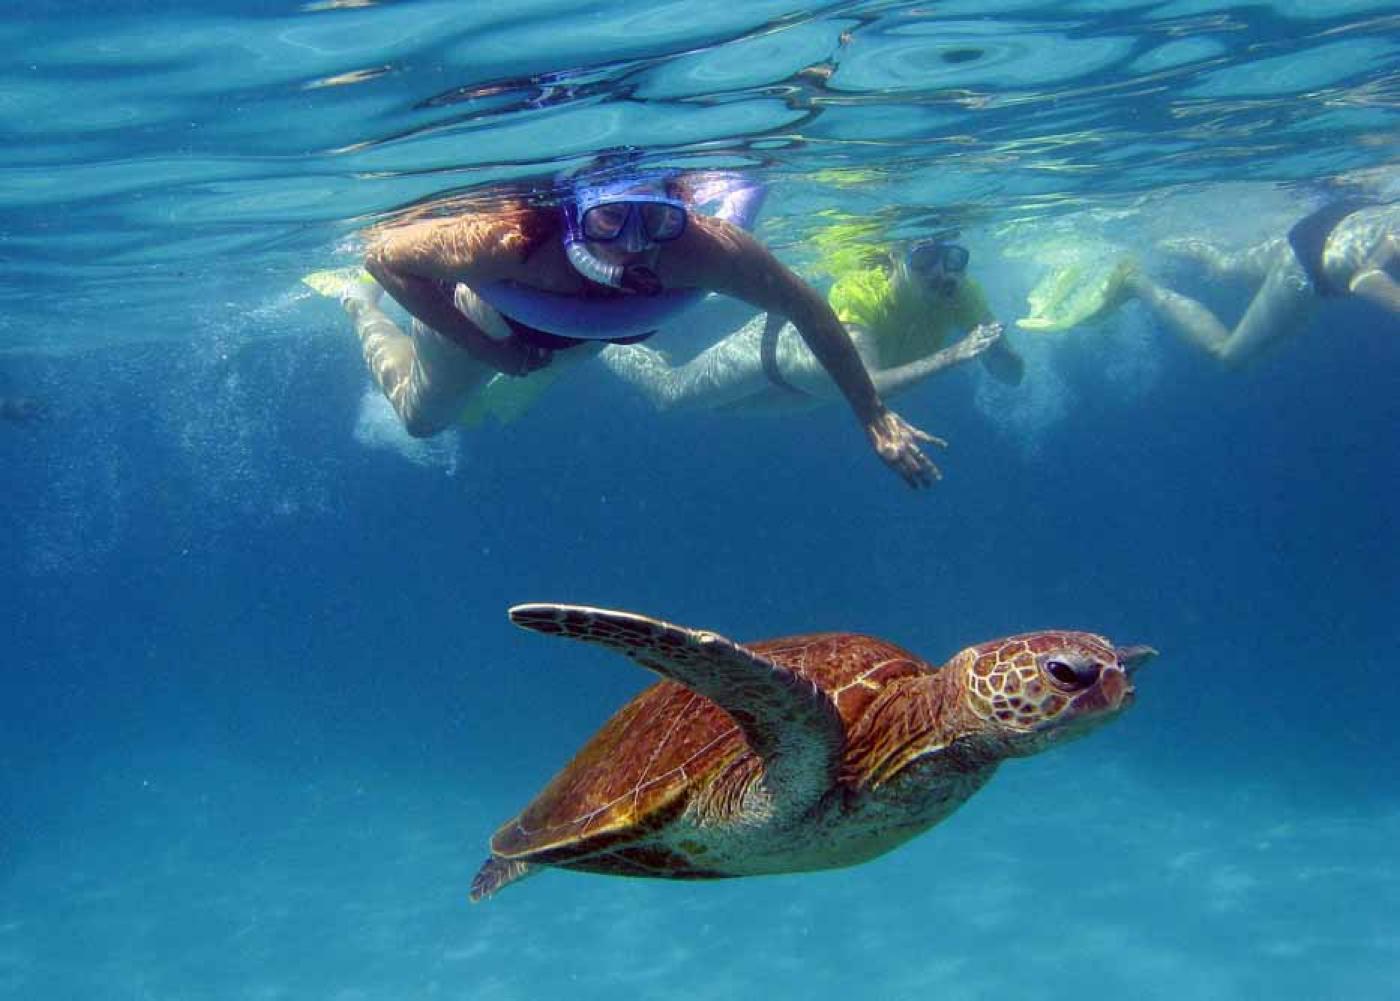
<point x="1071" y="674"/>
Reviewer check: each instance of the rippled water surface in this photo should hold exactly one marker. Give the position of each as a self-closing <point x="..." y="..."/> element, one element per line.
<point x="261" y="708"/>
<point x="152" y="147"/>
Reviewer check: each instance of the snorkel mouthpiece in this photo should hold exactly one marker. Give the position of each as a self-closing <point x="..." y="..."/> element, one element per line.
<point x="586" y="263"/>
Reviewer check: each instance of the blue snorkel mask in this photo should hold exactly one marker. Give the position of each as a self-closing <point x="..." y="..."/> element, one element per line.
<point x="637" y="213"/>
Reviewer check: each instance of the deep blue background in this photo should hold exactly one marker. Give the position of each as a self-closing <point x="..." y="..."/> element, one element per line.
<point x="260" y="705"/>
<point x="1238" y="521"/>
<point x="263" y="708"/>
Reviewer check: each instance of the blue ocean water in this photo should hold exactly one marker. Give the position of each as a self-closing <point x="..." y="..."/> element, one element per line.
<point x="262" y="709"/>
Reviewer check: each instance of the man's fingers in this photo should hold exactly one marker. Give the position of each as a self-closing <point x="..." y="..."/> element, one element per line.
<point x="916" y="468"/>
<point x="931" y="439"/>
<point x="924" y="468"/>
<point x="897" y="441"/>
<point x="902" y="429"/>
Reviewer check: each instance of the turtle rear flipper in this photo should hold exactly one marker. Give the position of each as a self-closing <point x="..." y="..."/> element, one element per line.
<point x="790" y="723"/>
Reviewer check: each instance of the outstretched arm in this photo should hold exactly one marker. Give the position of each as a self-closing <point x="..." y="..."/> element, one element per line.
<point x="895" y="380"/>
<point x="725" y="259"/>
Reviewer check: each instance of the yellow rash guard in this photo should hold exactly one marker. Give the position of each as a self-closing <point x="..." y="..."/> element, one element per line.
<point x="906" y="324"/>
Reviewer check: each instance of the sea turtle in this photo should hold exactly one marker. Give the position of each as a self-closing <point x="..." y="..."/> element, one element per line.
<point x="809" y="752"/>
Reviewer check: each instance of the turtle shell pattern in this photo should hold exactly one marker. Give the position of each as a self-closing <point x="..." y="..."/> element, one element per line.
<point x="644" y="767"/>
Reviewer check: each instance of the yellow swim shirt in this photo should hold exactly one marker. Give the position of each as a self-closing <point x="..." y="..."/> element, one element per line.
<point x="906" y="324"/>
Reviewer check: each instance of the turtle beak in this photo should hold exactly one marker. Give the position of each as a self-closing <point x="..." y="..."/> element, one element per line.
<point x="1133" y="657"/>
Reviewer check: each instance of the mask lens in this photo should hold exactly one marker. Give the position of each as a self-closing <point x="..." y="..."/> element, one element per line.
<point x="606" y="222"/>
<point x="926" y="258"/>
<point x="662" y="221"/>
<point x="955" y="258"/>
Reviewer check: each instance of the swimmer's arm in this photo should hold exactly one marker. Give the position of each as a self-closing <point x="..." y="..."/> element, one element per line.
<point x="420" y="264"/>
<point x="472" y="249"/>
<point x="895" y="380"/>
<point x="727" y="260"/>
<point x="724" y="259"/>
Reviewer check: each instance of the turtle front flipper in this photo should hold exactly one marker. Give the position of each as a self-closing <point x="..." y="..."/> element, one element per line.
<point x="788" y="721"/>
<point x="496" y="873"/>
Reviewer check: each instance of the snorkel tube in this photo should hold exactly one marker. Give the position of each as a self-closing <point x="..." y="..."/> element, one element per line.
<point x="586" y="263"/>
<point x="583" y="259"/>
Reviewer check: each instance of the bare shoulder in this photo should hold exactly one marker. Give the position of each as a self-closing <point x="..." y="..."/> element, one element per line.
<point x="479" y="246"/>
<point x="720" y="257"/>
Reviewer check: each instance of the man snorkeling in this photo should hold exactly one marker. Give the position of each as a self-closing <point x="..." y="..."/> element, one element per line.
<point x="522" y="286"/>
<point x="900" y="313"/>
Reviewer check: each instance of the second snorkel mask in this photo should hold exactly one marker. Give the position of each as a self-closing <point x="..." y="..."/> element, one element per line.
<point x="937" y="265"/>
<point x="636" y="211"/>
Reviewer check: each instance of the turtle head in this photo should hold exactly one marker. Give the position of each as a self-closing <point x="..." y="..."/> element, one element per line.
<point x="1033" y="690"/>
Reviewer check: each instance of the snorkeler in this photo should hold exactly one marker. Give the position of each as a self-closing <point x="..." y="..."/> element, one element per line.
<point x="1345" y="248"/>
<point x="514" y="289"/>
<point x="900" y="316"/>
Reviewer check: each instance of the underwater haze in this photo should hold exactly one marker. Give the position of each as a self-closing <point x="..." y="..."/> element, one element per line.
<point x="262" y="709"/>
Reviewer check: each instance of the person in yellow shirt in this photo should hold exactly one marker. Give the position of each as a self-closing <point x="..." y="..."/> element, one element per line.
<point x="901" y="316"/>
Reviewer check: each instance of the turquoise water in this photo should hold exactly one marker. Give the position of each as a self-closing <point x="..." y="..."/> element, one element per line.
<point x="262" y="707"/>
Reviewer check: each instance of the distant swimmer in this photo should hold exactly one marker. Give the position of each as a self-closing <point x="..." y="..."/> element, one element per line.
<point x="524" y="286"/>
<point x="1348" y="247"/>
<point x="20" y="409"/>
<point x="900" y="313"/>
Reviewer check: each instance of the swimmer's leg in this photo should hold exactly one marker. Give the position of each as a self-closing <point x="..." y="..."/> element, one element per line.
<point x="1249" y="265"/>
<point x="426" y="378"/>
<point x="723" y="374"/>
<point x="1282" y="307"/>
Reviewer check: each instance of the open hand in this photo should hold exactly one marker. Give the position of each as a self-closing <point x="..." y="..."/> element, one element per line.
<point x="982" y="336"/>
<point x="897" y="442"/>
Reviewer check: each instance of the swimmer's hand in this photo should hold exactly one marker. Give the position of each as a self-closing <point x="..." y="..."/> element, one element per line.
<point x="516" y="357"/>
<point x="983" y="336"/>
<point x="897" y="442"/>
<point x="640" y="280"/>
